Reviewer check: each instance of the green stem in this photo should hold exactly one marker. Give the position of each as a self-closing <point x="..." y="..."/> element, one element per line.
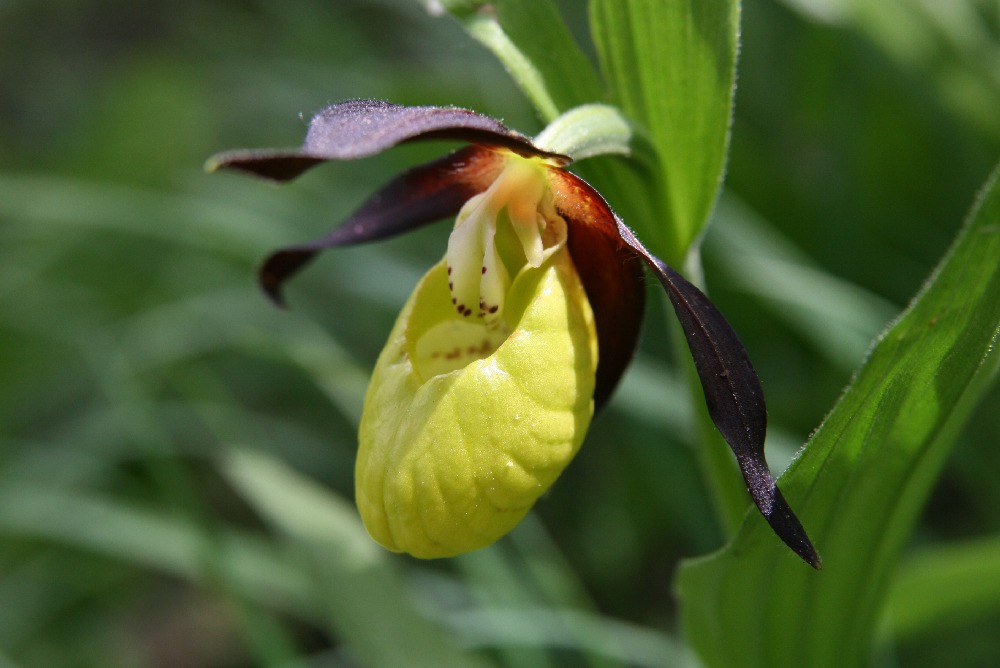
<point x="485" y="29"/>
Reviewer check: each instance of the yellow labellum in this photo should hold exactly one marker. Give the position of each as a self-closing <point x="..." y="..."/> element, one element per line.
<point x="465" y="425"/>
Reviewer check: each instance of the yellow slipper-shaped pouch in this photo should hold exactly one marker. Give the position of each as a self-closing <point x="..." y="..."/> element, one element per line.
<point x="466" y="423"/>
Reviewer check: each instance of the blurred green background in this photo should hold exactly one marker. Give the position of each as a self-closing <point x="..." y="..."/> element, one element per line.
<point x="163" y="426"/>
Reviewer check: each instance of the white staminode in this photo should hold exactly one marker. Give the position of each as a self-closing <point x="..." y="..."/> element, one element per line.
<point x="477" y="274"/>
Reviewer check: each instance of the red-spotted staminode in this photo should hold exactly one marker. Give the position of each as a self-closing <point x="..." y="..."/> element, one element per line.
<point x="489" y="379"/>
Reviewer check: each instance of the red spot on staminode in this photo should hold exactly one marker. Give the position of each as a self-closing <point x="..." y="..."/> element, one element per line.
<point x="484" y="270"/>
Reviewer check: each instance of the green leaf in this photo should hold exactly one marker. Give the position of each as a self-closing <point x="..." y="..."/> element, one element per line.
<point x="862" y="479"/>
<point x="671" y="67"/>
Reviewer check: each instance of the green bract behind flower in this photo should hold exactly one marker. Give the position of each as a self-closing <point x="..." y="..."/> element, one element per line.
<point x="451" y="460"/>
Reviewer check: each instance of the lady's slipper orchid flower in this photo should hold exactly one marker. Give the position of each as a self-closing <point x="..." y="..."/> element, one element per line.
<point x="490" y="377"/>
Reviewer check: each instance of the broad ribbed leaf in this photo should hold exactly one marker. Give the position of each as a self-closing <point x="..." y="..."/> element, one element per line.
<point x="862" y="479"/>
<point x="671" y="68"/>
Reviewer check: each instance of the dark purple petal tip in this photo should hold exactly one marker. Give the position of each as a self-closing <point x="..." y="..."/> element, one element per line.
<point x="276" y="165"/>
<point x="733" y="395"/>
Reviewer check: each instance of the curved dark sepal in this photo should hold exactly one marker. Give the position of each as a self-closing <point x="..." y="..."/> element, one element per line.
<point x="611" y="274"/>
<point x="421" y="195"/>
<point x="733" y="395"/>
<point x="362" y="128"/>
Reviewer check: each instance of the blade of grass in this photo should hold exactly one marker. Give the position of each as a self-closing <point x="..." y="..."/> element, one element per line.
<point x="838" y="318"/>
<point x="367" y="601"/>
<point x="942" y="587"/>
<point x="124" y="531"/>
<point x="629" y="644"/>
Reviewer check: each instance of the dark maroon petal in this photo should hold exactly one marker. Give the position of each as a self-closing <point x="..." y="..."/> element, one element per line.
<point x="733" y="394"/>
<point x="611" y="273"/>
<point x="361" y="128"/>
<point x="606" y="254"/>
<point x="419" y="196"/>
